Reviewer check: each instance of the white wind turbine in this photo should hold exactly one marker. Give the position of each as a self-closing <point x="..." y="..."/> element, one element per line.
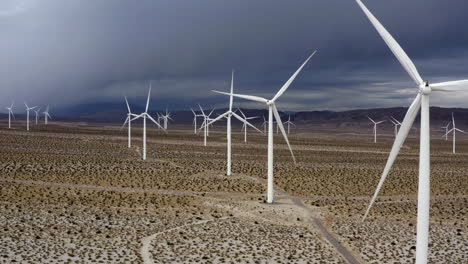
<point x="375" y="128"/>
<point x="128" y="120"/>
<point x="289" y="123"/>
<point x="228" y="114"/>
<point x="421" y="101"/>
<point x="446" y="130"/>
<point x="206" y="120"/>
<point x="454" y="130"/>
<point x="37" y="114"/>
<point x="10" y="114"/>
<point x="396" y="123"/>
<point x="166" y="118"/>
<point x="244" y="126"/>
<point x="145" y="115"/>
<point x="273" y="111"/>
<point x="264" y="124"/>
<point x="46" y="115"/>
<point x="195" y="116"/>
<point x="27" y="114"/>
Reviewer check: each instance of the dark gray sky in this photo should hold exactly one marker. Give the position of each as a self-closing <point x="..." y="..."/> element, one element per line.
<point x="66" y="52"/>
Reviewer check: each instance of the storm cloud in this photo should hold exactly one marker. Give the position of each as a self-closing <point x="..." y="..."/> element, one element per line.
<point x="66" y="52"/>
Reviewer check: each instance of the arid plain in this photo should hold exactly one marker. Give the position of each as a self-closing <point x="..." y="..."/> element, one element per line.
<point x="74" y="193"/>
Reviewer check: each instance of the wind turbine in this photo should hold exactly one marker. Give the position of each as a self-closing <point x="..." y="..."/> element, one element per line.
<point x="375" y="128"/>
<point x="27" y="114"/>
<point x="454" y="129"/>
<point x="264" y="124"/>
<point x="396" y="123"/>
<point x="145" y="115"/>
<point x="10" y="114"/>
<point x="228" y="114"/>
<point x="46" y="115"/>
<point x="421" y="101"/>
<point x="273" y="111"/>
<point x="37" y="114"/>
<point x="244" y="126"/>
<point x="195" y="121"/>
<point x="128" y="120"/>
<point x="289" y="123"/>
<point x="446" y="130"/>
<point x="165" y="118"/>
<point x="206" y="120"/>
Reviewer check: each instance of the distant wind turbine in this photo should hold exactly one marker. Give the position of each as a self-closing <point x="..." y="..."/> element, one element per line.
<point x="145" y="115"/>
<point x="228" y="114"/>
<point x="46" y="115"/>
<point x="264" y="124"/>
<point x="273" y="111"/>
<point x="289" y="123"/>
<point x="195" y="116"/>
<point x="446" y="130"/>
<point x="10" y="114"/>
<point x="27" y="114"/>
<point x="128" y="120"/>
<point x="166" y="117"/>
<point x="206" y="120"/>
<point x="396" y="123"/>
<point x="37" y="114"/>
<point x="454" y="130"/>
<point x="375" y="128"/>
<point x="421" y="101"/>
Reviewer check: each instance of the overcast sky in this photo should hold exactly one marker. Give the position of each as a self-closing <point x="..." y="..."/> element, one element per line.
<point x="68" y="52"/>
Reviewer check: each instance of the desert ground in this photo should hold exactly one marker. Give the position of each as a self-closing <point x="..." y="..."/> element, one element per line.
<point x="75" y="193"/>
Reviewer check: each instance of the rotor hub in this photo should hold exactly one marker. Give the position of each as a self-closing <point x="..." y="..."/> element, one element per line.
<point x="269" y="102"/>
<point x="425" y="88"/>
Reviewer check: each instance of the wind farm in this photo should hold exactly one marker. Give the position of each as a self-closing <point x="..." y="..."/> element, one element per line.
<point x="138" y="142"/>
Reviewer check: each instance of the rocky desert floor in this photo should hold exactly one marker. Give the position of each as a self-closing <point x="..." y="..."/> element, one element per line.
<point x="75" y="193"/>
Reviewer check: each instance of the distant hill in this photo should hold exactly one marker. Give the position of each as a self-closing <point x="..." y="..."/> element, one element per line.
<point x="117" y="112"/>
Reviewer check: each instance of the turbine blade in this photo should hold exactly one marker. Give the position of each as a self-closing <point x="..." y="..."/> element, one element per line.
<point x="280" y="124"/>
<point x="453" y="120"/>
<point x="291" y="79"/>
<point x="380" y="122"/>
<point x="371" y="120"/>
<point x="13" y="115"/>
<point x="246" y="122"/>
<point x="128" y="106"/>
<point x="136" y="117"/>
<point x="394" y="46"/>
<point x="154" y="121"/>
<point x="49" y="116"/>
<point x="242" y="113"/>
<point x="126" y="120"/>
<point x="399" y="140"/>
<point x="231" y="98"/>
<point x="248" y="97"/>
<point x="216" y="119"/>
<point x="448" y="132"/>
<point x="450" y="86"/>
<point x="203" y="113"/>
<point x="147" y="101"/>
<point x="211" y="112"/>
<point x="459" y="130"/>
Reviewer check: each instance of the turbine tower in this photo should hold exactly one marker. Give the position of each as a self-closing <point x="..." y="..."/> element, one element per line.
<point x="228" y="114"/>
<point x="46" y="115"/>
<point x="10" y="114"/>
<point x="128" y="120"/>
<point x="37" y="114"/>
<point x="273" y="111"/>
<point x="244" y="126"/>
<point x="454" y="129"/>
<point x="145" y="115"/>
<point x="27" y="114"/>
<point x="396" y="123"/>
<point x="421" y="101"/>
<point x="375" y="128"/>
